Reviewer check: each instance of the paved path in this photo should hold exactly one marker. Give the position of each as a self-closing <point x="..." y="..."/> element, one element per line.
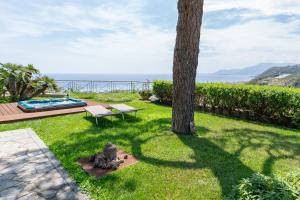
<point x="28" y="170"/>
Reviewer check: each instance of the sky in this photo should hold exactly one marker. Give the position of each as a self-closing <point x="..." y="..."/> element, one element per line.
<point x="138" y="36"/>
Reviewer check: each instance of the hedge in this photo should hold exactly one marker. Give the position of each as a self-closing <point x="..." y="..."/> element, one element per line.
<point x="280" y="105"/>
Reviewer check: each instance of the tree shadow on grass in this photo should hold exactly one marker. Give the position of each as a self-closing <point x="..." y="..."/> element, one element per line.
<point x="108" y="121"/>
<point x="226" y="167"/>
<point x="275" y="145"/>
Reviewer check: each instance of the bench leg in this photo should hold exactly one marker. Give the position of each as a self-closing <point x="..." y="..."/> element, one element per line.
<point x="97" y="121"/>
<point x="123" y="116"/>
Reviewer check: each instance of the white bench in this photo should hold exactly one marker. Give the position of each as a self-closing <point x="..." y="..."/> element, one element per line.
<point x="124" y="108"/>
<point x="99" y="111"/>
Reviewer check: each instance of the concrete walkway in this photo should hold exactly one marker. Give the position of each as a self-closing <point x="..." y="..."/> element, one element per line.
<point x="28" y="170"/>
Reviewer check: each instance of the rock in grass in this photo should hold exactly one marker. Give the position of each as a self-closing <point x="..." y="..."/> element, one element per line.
<point x="108" y="158"/>
<point x="110" y="151"/>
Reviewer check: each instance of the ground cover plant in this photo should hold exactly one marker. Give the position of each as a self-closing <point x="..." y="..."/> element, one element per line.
<point x="204" y="166"/>
<point x="259" y="186"/>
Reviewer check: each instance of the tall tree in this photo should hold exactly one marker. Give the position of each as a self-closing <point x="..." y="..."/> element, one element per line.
<point x="185" y="64"/>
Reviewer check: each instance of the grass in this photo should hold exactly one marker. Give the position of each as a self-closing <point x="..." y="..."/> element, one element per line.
<point x="107" y="97"/>
<point x="171" y="166"/>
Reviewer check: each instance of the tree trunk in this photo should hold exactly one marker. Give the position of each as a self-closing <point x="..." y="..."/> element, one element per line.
<point x="185" y="64"/>
<point x="31" y="92"/>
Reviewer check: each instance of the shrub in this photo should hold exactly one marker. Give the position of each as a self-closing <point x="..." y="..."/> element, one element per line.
<point x="4" y="100"/>
<point x="163" y="90"/>
<point x="268" y="103"/>
<point x="145" y="94"/>
<point x="261" y="187"/>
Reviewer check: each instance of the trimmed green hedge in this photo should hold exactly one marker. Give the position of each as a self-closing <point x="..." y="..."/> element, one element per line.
<point x="273" y="104"/>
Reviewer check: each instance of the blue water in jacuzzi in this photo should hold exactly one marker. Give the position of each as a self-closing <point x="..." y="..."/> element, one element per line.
<point x="51" y="103"/>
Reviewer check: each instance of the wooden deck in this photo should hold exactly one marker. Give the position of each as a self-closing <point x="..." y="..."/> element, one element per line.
<point x="9" y="112"/>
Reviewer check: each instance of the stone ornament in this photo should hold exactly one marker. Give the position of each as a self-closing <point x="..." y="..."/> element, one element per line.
<point x="108" y="158"/>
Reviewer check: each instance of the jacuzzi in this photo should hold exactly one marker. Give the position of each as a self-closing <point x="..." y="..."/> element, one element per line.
<point x="50" y="104"/>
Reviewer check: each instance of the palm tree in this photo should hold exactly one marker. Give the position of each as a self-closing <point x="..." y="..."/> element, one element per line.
<point x="2" y="89"/>
<point x="185" y="64"/>
<point x="9" y="75"/>
<point x="24" y="82"/>
<point x="39" y="86"/>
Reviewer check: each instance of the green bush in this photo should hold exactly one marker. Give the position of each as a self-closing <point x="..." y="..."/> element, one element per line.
<point x="163" y="90"/>
<point x="261" y="187"/>
<point x="4" y="100"/>
<point x="145" y="94"/>
<point x="269" y="103"/>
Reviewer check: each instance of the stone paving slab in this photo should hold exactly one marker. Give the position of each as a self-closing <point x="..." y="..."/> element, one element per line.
<point x="29" y="171"/>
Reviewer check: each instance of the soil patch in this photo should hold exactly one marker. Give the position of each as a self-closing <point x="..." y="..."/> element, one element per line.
<point x="88" y="166"/>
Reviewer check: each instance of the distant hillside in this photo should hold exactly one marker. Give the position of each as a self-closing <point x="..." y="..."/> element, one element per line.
<point x="250" y="71"/>
<point x="283" y="76"/>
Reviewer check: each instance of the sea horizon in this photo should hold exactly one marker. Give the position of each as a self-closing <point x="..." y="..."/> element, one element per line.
<point x="230" y="78"/>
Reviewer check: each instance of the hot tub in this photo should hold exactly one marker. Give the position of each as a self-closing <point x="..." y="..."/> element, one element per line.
<point x="50" y="104"/>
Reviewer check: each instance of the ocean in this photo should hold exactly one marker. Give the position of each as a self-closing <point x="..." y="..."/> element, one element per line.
<point x="150" y="77"/>
<point x="128" y="82"/>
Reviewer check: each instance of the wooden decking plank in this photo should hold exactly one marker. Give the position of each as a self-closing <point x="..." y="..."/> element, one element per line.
<point x="10" y="108"/>
<point x="38" y="115"/>
<point x="18" y="110"/>
<point x="1" y="112"/>
<point x="11" y="113"/>
<point x="6" y="111"/>
<point x="15" y="109"/>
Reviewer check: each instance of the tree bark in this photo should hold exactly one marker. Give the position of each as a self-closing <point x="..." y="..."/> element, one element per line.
<point x="31" y="92"/>
<point x="185" y="64"/>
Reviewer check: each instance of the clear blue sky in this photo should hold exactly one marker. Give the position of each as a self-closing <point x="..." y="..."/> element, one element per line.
<point x="138" y="36"/>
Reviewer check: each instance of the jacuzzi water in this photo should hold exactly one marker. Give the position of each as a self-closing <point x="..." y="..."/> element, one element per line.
<point x="51" y="103"/>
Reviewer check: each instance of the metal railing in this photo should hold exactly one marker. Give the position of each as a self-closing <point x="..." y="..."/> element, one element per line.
<point x="90" y="86"/>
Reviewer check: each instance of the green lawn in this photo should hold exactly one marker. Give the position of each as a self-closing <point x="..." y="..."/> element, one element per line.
<point x="171" y="166"/>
